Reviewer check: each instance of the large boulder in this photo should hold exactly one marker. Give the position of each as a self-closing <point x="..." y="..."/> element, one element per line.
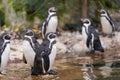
<point x="61" y="49"/>
<point x="79" y="48"/>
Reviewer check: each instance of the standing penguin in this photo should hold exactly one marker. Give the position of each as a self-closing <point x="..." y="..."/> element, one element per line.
<point x="91" y="37"/>
<point x="51" y="23"/>
<point x="30" y="46"/>
<point x="45" y="58"/>
<point x="4" y="51"/>
<point x="106" y="22"/>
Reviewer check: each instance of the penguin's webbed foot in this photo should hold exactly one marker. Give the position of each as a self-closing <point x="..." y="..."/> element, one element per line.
<point x="3" y="73"/>
<point x="35" y="74"/>
<point x="52" y="72"/>
<point x="90" y="52"/>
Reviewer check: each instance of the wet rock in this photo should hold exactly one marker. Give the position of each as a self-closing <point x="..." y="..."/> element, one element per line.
<point x="16" y="49"/>
<point x="116" y="64"/>
<point x="79" y="48"/>
<point x="61" y="49"/>
<point x="77" y="36"/>
<point x="99" y="63"/>
<point x="106" y="42"/>
<point x="105" y="71"/>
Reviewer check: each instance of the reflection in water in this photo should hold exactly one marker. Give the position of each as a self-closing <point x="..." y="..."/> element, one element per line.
<point x="66" y="71"/>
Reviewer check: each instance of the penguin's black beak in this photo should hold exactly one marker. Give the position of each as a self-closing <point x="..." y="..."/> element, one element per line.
<point x="12" y="36"/>
<point x="99" y="11"/>
<point x="57" y="33"/>
<point x="53" y="9"/>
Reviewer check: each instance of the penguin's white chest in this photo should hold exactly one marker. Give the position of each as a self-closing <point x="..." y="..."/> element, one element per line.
<point x="106" y="26"/>
<point x="5" y="56"/>
<point x="84" y="34"/>
<point x="52" y="25"/>
<point x="28" y="52"/>
<point x="52" y="55"/>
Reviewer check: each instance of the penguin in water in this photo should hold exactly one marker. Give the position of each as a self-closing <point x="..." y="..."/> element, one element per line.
<point x="4" y="51"/>
<point x="51" y="23"/>
<point x="45" y="57"/>
<point x="91" y="37"/>
<point x="107" y="23"/>
<point x="30" y="46"/>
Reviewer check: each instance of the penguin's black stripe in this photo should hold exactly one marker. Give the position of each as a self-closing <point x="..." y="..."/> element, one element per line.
<point x="36" y="50"/>
<point x="52" y="46"/>
<point x="46" y="23"/>
<point x="5" y="46"/>
<point x="110" y="23"/>
<point x="29" y="41"/>
<point x="2" y="49"/>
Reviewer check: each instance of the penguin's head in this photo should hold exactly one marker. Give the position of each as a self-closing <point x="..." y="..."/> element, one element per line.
<point x="52" y="10"/>
<point x="86" y="21"/>
<point x="6" y="36"/>
<point x="29" y="33"/>
<point x="52" y="35"/>
<point x="103" y="12"/>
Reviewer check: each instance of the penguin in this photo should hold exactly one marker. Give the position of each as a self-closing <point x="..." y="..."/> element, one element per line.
<point x="45" y="57"/>
<point x="51" y="22"/>
<point x="91" y="37"/>
<point x="30" y="46"/>
<point x="4" y="52"/>
<point x="108" y="26"/>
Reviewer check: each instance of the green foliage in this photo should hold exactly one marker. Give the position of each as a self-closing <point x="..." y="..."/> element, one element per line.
<point x="18" y="5"/>
<point x="69" y="11"/>
<point x="2" y="14"/>
<point x="37" y="8"/>
<point x="2" y="18"/>
<point x="107" y="4"/>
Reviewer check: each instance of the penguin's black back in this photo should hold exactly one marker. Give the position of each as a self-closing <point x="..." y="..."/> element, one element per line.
<point x="96" y="43"/>
<point x="42" y="58"/>
<point x="45" y="54"/>
<point x="1" y="49"/>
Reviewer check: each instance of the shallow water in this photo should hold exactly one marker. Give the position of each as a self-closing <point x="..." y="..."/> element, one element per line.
<point x="21" y="71"/>
<point x="67" y="70"/>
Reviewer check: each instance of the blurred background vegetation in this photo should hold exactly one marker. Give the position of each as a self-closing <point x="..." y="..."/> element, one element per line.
<point x="16" y="15"/>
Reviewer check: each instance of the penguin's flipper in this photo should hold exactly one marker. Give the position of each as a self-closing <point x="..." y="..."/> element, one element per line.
<point x="24" y="59"/>
<point x="98" y="45"/>
<point x="1" y="49"/>
<point x="46" y="61"/>
<point x="44" y="27"/>
<point x="88" y="40"/>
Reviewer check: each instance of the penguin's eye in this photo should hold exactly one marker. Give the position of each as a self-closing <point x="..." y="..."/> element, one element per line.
<point x="103" y="12"/>
<point x="52" y="36"/>
<point x="7" y="37"/>
<point x="30" y="34"/>
<point x="52" y="10"/>
<point x="87" y="22"/>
